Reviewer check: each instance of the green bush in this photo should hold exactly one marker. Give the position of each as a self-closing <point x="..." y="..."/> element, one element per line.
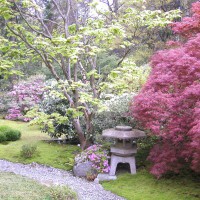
<point x="13" y="135"/>
<point x="116" y="113"/>
<point x="53" y="105"/>
<point x="4" y="128"/>
<point x="28" y="150"/>
<point x="2" y="137"/>
<point x="144" y="145"/>
<point x="9" y="134"/>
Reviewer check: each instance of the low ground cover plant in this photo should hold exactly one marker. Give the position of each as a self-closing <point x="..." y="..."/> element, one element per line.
<point x="61" y="193"/>
<point x="28" y="150"/>
<point x="9" y="134"/>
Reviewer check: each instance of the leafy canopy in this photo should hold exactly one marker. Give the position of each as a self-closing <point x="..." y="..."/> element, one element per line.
<point x="169" y="103"/>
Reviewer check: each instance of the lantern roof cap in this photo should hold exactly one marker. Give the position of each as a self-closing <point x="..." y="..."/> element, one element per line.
<point x="123" y="132"/>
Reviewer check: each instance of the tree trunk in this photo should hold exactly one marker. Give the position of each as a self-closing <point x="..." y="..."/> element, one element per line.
<point x="80" y="133"/>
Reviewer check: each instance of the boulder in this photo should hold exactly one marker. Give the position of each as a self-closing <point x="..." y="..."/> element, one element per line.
<point x="81" y="169"/>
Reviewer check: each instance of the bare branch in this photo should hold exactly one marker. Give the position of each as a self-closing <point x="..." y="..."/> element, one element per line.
<point x="68" y="69"/>
<point x="66" y="19"/>
<point x="44" y="57"/>
<point x="38" y="14"/>
<point x="21" y="14"/>
<point x="58" y="8"/>
<point x="36" y="17"/>
<point x="63" y="66"/>
<point x="124" y="56"/>
<point x="51" y="68"/>
<point x="68" y="97"/>
<point x="92" y="79"/>
<point x="83" y="71"/>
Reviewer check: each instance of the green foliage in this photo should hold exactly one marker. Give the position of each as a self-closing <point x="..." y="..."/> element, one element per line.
<point x="115" y="113"/>
<point x="13" y="135"/>
<point x="126" y="78"/>
<point x="144" y="146"/>
<point x="4" y="128"/>
<point x="53" y="114"/>
<point x="73" y="46"/>
<point x="10" y="56"/>
<point x="28" y="150"/>
<point x="48" y="122"/>
<point x="106" y="63"/>
<point x="9" y="134"/>
<point x="3" y="137"/>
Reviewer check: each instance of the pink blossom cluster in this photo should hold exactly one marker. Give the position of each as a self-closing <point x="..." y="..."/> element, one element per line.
<point x="169" y="103"/>
<point x="25" y="95"/>
<point x="98" y="157"/>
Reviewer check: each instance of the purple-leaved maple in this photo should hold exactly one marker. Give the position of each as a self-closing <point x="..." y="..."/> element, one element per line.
<point x="169" y="103"/>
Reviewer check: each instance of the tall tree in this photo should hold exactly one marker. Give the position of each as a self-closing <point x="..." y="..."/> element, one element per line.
<point x="169" y="104"/>
<point x="72" y="45"/>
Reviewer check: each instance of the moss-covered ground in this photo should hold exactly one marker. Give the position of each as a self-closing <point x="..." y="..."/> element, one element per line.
<point x="53" y="154"/>
<point x="143" y="186"/>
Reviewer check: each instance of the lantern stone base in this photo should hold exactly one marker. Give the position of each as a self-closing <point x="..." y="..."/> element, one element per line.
<point x="115" y="159"/>
<point x="104" y="177"/>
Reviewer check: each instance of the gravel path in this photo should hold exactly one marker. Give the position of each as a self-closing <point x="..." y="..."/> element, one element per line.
<point x="52" y="176"/>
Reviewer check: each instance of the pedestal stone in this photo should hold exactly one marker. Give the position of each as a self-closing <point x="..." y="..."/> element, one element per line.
<point x="104" y="177"/>
<point x="118" y="159"/>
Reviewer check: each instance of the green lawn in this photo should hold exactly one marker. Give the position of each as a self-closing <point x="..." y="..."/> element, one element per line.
<point x="143" y="186"/>
<point x="26" y="189"/>
<point x="59" y="156"/>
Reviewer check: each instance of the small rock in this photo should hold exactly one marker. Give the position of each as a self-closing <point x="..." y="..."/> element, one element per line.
<point x="81" y="169"/>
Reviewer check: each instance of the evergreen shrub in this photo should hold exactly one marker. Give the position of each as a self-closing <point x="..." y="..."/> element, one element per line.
<point x="9" y="134"/>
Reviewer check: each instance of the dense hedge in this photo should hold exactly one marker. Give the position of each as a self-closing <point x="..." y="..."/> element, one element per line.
<point x="9" y="134"/>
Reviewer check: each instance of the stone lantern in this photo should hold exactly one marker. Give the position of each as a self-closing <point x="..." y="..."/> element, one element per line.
<point x="124" y="149"/>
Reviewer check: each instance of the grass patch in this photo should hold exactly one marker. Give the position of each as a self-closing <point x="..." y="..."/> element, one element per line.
<point x="143" y="186"/>
<point x="55" y="155"/>
<point x="28" y="189"/>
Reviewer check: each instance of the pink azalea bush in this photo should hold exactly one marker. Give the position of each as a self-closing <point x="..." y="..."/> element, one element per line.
<point x="24" y="96"/>
<point x="169" y="103"/>
<point x="97" y="156"/>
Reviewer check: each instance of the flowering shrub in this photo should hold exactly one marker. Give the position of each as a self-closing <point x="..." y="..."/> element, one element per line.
<point x="97" y="156"/>
<point x="169" y="103"/>
<point x="24" y="96"/>
<point x="51" y="114"/>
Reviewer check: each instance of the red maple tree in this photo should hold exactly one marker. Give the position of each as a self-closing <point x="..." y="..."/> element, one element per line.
<point x="169" y="103"/>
